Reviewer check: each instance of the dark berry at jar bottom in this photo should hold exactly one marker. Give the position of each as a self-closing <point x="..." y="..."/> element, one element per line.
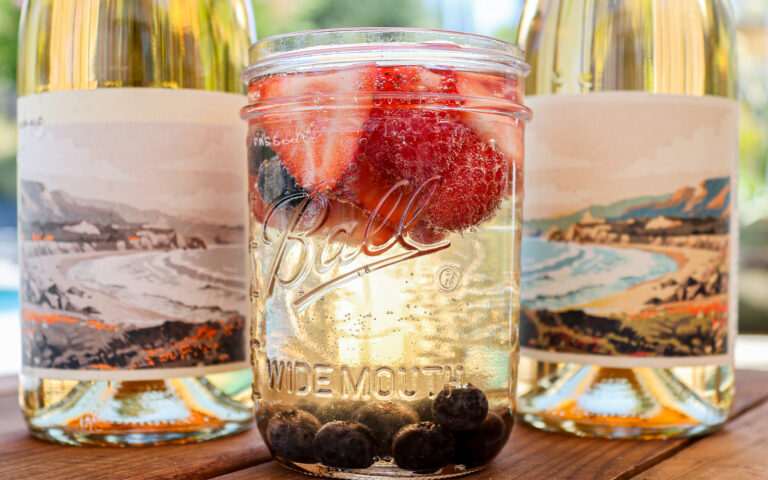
<point x="479" y="446"/>
<point x="291" y="434"/>
<point x="384" y="419"/>
<point x="274" y="181"/>
<point x="343" y="444"/>
<point x="423" y="447"/>
<point x="338" y="410"/>
<point x="265" y="411"/>
<point x="460" y="407"/>
<point x="423" y="408"/>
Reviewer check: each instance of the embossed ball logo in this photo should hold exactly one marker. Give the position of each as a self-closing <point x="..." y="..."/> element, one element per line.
<point x="295" y="256"/>
<point x="448" y="278"/>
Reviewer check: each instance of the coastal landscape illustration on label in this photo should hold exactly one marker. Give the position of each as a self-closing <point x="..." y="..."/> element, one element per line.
<point x="128" y="272"/>
<point x="641" y="276"/>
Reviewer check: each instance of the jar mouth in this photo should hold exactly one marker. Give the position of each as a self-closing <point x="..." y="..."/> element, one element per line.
<point x="314" y="50"/>
<point x="282" y="108"/>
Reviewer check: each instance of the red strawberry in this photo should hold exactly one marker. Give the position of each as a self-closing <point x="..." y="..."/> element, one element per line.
<point x="322" y="218"/>
<point x="504" y="133"/>
<point x="412" y="159"/>
<point x="462" y="178"/>
<point x="422" y="167"/>
<point x="314" y="121"/>
<point x="427" y="86"/>
<point x="476" y="86"/>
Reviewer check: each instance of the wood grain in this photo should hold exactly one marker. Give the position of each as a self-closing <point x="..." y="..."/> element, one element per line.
<point x="22" y="457"/>
<point x="736" y="453"/>
<point x="10" y="415"/>
<point x="751" y="390"/>
<point x="529" y="455"/>
<point x="8" y="385"/>
<point x="532" y="454"/>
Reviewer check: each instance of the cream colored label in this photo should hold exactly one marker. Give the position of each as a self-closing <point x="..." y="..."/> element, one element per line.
<point x="630" y="231"/>
<point x="131" y="227"/>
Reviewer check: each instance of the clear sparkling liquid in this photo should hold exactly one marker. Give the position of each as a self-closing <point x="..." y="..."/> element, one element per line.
<point x="392" y="334"/>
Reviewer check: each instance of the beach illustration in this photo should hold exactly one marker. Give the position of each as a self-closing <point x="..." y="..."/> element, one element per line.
<point x="127" y="271"/>
<point x="641" y="276"/>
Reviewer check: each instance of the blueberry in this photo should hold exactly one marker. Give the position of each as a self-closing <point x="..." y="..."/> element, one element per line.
<point x="257" y="153"/>
<point x="290" y="434"/>
<point x="343" y="444"/>
<point x="424" y="408"/>
<point x="338" y="410"/>
<point x="309" y="406"/>
<point x="265" y="411"/>
<point x="384" y="419"/>
<point x="275" y="182"/>
<point x="460" y="407"/>
<point x="423" y="447"/>
<point x="478" y="447"/>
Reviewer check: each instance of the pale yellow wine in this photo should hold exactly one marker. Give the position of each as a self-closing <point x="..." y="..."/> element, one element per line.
<point x="642" y="62"/>
<point x="158" y="75"/>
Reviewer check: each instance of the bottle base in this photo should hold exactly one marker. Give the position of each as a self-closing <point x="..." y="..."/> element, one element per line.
<point x="136" y="439"/>
<point x="380" y="469"/>
<point x="131" y="413"/>
<point x="556" y="424"/>
<point x="632" y="403"/>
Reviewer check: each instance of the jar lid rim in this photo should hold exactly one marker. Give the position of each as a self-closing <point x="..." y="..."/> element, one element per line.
<point x="300" y="50"/>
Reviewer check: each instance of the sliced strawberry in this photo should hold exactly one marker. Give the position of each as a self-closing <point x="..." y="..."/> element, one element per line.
<point x="314" y="121"/>
<point x="416" y="165"/>
<point x="428" y="86"/>
<point x="503" y="132"/>
<point x="477" y="86"/>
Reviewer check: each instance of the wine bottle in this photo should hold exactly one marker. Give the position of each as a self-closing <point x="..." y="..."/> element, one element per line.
<point x="131" y="220"/>
<point x="628" y="292"/>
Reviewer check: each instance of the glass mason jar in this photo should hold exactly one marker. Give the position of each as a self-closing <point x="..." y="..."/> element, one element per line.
<point x="384" y="196"/>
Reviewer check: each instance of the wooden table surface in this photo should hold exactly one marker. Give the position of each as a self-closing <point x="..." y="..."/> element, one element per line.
<point x="738" y="452"/>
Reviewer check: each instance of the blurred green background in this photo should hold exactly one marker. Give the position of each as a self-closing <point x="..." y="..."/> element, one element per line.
<point x="492" y="17"/>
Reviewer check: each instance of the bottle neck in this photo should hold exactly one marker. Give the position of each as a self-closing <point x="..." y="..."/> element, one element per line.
<point x="685" y="47"/>
<point x="105" y="43"/>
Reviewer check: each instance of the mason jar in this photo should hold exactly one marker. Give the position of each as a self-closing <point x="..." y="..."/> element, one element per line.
<point x="385" y="174"/>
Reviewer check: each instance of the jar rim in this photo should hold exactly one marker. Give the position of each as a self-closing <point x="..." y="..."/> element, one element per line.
<point x="310" y="50"/>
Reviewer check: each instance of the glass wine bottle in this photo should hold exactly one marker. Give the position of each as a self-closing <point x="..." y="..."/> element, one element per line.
<point x="628" y="316"/>
<point x="131" y="220"/>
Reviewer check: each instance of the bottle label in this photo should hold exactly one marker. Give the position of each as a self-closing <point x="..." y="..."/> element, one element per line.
<point x="132" y="209"/>
<point x="630" y="230"/>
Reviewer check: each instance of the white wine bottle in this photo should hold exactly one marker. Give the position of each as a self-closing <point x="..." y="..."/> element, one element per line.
<point x="131" y="220"/>
<point x="628" y="305"/>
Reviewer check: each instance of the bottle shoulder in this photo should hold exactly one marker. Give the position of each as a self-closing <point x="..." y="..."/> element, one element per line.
<point x="133" y="44"/>
<point x="682" y="48"/>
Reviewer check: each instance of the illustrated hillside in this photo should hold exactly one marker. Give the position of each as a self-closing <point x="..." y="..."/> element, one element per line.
<point x="710" y="199"/>
<point x="64" y="217"/>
